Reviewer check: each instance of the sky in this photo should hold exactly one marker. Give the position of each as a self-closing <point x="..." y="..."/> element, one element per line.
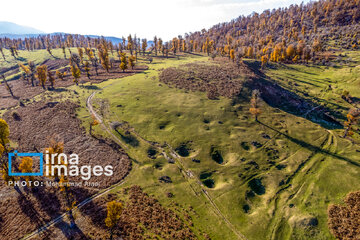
<point x="146" y="18"/>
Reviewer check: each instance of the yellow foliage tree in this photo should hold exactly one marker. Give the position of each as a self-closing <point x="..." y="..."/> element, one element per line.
<point x="76" y="73"/>
<point x="4" y="133"/>
<point x="352" y="119"/>
<point x="42" y="74"/>
<point x="54" y="148"/>
<point x="114" y="210"/>
<point x="250" y="52"/>
<point x="51" y="78"/>
<point x="26" y="167"/>
<point x="255" y="108"/>
<point x="4" y="140"/>
<point x="60" y="75"/>
<point x="290" y="51"/>
<point x="81" y="54"/>
<point x="104" y="57"/>
<point x="264" y="60"/>
<point x="132" y="61"/>
<point x="93" y="123"/>
<point x="123" y="64"/>
<point x="232" y="55"/>
<point x="87" y="69"/>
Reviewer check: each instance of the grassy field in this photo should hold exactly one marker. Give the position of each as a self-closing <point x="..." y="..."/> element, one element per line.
<point x="37" y="56"/>
<point x="275" y="178"/>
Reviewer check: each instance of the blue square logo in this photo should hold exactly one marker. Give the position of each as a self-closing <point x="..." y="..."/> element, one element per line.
<point x="15" y="153"/>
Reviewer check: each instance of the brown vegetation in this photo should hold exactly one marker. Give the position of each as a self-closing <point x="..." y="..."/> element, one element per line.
<point x="142" y="218"/>
<point x="344" y="221"/>
<point x="37" y="124"/>
<point x="217" y="79"/>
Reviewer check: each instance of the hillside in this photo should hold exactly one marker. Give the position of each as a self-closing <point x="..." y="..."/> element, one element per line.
<point x="293" y="34"/>
<point x="12" y="28"/>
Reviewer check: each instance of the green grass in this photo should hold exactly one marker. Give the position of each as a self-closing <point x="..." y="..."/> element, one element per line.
<point x="37" y="56"/>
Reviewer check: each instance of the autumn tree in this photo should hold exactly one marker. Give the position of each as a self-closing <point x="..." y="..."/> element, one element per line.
<point x="155" y="45"/>
<point x="123" y="64"/>
<point x="48" y="46"/>
<point x="87" y="69"/>
<point x="60" y="75"/>
<point x="4" y="140"/>
<point x="42" y="74"/>
<point x="174" y="45"/>
<point x="32" y="72"/>
<point x="290" y="51"/>
<point x="132" y="62"/>
<point x="104" y="57"/>
<point x="81" y="54"/>
<point x="130" y="44"/>
<point x="317" y="46"/>
<point x="26" y="167"/>
<point x="264" y="60"/>
<point x="25" y="69"/>
<point x="55" y="147"/>
<point x="93" y="123"/>
<point x="144" y="45"/>
<point x="4" y="135"/>
<point x="250" y="52"/>
<point x="7" y="86"/>
<point x="51" y="78"/>
<point x="255" y="102"/>
<point x="75" y="59"/>
<point x="114" y="210"/>
<point x="232" y="55"/>
<point x="76" y="73"/>
<point x="160" y="45"/>
<point x="91" y="55"/>
<point x="352" y="119"/>
<point x="63" y="50"/>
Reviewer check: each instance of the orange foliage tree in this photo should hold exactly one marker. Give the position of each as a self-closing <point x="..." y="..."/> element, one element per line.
<point x="255" y="102"/>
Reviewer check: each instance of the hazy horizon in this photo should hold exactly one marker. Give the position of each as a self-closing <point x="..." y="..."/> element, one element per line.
<point x="165" y="19"/>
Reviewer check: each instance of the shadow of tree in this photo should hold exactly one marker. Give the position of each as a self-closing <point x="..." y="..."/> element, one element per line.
<point x="27" y="208"/>
<point x="96" y="212"/>
<point x="60" y="89"/>
<point x="278" y="97"/>
<point x="74" y="233"/>
<point x="49" y="202"/>
<point x="129" y="139"/>
<point x="90" y="87"/>
<point x="311" y="147"/>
